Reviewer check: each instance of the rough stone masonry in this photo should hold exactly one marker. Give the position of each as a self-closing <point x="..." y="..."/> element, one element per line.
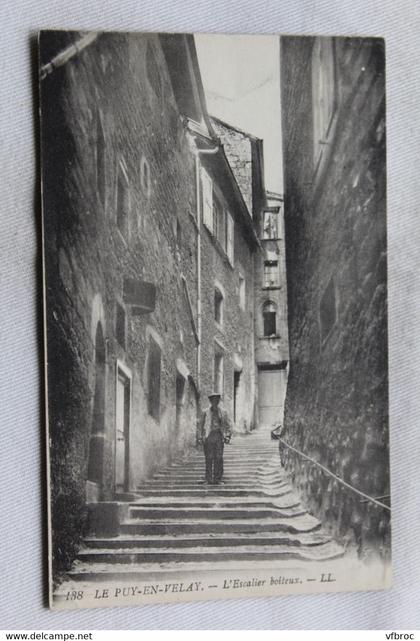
<point x="337" y="398"/>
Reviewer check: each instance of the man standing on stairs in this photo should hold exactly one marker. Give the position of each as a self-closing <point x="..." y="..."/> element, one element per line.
<point x="214" y="431"/>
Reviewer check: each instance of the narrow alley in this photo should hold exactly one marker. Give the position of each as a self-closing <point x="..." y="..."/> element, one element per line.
<point x="176" y="524"/>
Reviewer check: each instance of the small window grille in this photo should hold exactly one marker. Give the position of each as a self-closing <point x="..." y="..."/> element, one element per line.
<point x="270" y="319"/>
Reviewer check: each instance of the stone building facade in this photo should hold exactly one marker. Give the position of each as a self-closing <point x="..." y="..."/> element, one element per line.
<point x="271" y="355"/>
<point x="245" y="156"/>
<point x="335" y="223"/>
<point x="149" y="246"/>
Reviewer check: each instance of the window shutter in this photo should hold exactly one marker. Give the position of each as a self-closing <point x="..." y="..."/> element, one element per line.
<point x="230" y="237"/>
<point x="207" y="187"/>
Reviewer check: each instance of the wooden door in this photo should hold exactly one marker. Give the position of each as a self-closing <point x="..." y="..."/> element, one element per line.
<point x="271" y="393"/>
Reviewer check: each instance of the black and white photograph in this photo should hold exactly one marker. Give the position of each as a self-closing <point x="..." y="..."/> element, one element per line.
<point x="215" y="315"/>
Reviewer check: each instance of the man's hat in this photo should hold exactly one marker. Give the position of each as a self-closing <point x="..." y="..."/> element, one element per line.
<point x="215" y="395"/>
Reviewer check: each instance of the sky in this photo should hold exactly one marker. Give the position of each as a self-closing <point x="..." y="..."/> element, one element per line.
<point x="241" y="79"/>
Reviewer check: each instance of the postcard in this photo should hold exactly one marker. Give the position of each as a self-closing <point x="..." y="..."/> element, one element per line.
<point x="215" y="281"/>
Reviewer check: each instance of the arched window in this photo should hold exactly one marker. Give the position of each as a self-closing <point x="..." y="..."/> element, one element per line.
<point x="269" y="318"/>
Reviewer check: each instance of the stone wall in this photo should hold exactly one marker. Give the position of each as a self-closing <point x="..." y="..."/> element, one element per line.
<point x="120" y="202"/>
<point x="245" y="155"/>
<point x="106" y="115"/>
<point x="337" y="397"/>
<point x="235" y="336"/>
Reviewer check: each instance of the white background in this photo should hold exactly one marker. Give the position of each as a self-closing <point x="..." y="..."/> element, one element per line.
<point x="23" y="517"/>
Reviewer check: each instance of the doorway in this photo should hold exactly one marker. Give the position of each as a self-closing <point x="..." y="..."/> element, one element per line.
<point x="122" y="429"/>
<point x="271" y="395"/>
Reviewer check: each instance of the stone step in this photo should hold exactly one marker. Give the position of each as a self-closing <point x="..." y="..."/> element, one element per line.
<point x="187" y="473"/>
<point x="174" y="526"/>
<point x="228" y="480"/>
<point x="173" y="571"/>
<point x="210" y="540"/>
<point x="249" y="470"/>
<point x="214" y="501"/>
<point x="231" y="479"/>
<point x="238" y="453"/>
<point x="229" y="474"/>
<point x="220" y="553"/>
<point x="242" y="480"/>
<point x="234" y="462"/>
<point x="209" y="512"/>
<point x="212" y="490"/>
<point x="178" y="524"/>
<point x="181" y="484"/>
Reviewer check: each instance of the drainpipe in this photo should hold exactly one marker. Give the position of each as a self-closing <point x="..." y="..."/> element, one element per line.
<point x="198" y="219"/>
<point x="197" y="153"/>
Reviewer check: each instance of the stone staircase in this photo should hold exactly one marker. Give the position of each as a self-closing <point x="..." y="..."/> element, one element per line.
<point x="176" y="523"/>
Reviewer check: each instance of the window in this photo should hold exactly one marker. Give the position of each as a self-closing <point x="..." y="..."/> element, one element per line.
<point x="242" y="292"/>
<point x="145" y="176"/>
<point x="269" y="319"/>
<point x="324" y="94"/>
<point x="100" y="160"/>
<point x="215" y="217"/>
<point x="120" y="331"/>
<point x="207" y="199"/>
<point x="123" y="204"/>
<point x="271" y="273"/>
<point x="153" y="379"/>
<point x="218" y="306"/>
<point x="230" y="237"/>
<point x="271" y="224"/>
<point x="152" y="69"/>
<point x="218" y="372"/>
<point x="328" y="310"/>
